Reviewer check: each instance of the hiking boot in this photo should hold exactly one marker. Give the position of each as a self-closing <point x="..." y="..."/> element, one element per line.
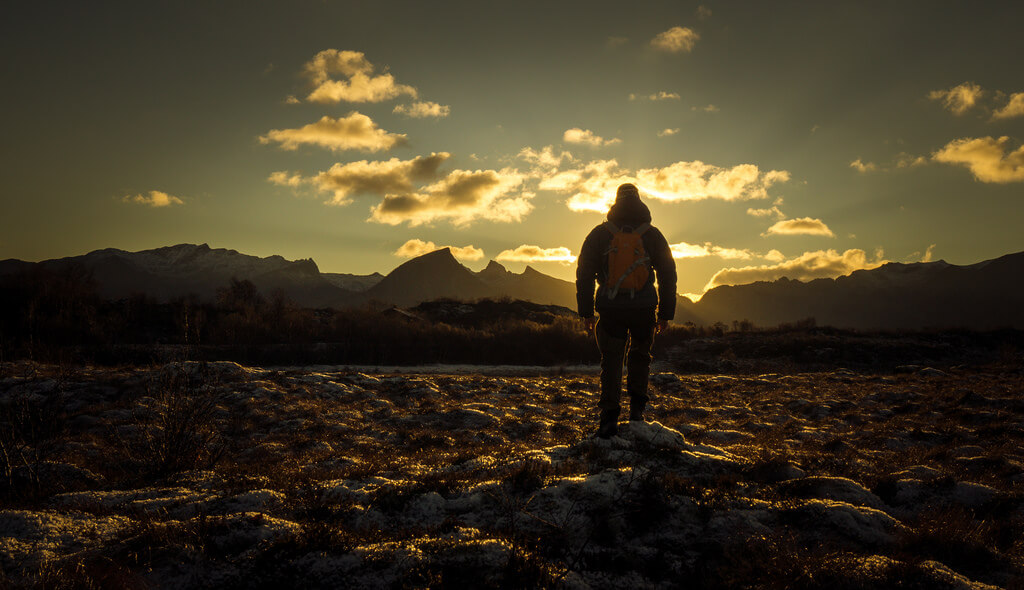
<point x="607" y="430"/>
<point x="636" y="416"/>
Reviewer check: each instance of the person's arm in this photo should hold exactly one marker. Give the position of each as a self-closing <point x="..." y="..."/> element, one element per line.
<point x="665" y="271"/>
<point x="586" y="274"/>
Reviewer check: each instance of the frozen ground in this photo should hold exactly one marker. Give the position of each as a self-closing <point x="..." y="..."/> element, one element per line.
<point x="218" y="475"/>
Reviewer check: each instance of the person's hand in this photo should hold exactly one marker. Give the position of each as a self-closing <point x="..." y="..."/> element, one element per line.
<point x="590" y="323"/>
<point x="661" y="326"/>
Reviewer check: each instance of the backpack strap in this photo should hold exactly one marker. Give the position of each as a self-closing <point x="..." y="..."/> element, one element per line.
<point x="611" y="227"/>
<point x="640" y="229"/>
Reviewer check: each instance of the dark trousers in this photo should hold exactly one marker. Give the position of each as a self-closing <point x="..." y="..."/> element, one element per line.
<point x="624" y="334"/>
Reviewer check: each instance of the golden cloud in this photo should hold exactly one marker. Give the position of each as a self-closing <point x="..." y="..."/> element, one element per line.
<point x="1014" y="107"/>
<point x="420" y="110"/>
<point x="668" y="131"/>
<point x="987" y="158"/>
<point x="415" y="247"/>
<point x="529" y="253"/>
<point x="461" y="197"/>
<point x="376" y="178"/>
<point x="676" y="40"/>
<point x="355" y="131"/>
<point x="587" y="137"/>
<point x="154" y="199"/>
<point x="809" y="265"/>
<point x="958" y="99"/>
<point x="360" y="84"/>
<point x="685" y="250"/>
<point x="802" y="226"/>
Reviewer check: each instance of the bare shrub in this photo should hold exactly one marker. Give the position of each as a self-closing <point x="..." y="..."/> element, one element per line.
<point x="31" y="433"/>
<point x="177" y="431"/>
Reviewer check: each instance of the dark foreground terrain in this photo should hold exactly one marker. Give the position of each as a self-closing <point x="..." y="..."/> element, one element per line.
<point x="185" y="475"/>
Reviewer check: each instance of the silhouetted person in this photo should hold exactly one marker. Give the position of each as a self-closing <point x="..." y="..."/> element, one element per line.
<point x="630" y="308"/>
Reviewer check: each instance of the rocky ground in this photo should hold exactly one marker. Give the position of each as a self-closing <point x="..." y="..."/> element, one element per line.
<point x="220" y="475"/>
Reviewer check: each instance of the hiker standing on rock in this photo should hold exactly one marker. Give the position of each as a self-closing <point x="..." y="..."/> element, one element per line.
<point x="621" y="255"/>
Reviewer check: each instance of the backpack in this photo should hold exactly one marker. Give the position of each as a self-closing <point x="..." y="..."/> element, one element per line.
<point x="628" y="262"/>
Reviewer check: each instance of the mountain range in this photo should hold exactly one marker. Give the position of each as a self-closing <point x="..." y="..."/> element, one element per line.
<point x="985" y="295"/>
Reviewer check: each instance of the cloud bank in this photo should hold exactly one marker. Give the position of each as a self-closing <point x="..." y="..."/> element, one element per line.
<point x="415" y="247"/>
<point x="809" y="265"/>
<point x="344" y="181"/>
<point x="354" y="131"/>
<point x="988" y="158"/>
<point x="461" y="198"/>
<point x="685" y="250"/>
<point x="529" y="253"/>
<point x="592" y="185"/>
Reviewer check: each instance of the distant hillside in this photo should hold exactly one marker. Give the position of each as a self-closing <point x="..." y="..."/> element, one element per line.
<point x="176" y="271"/>
<point x="439" y="275"/>
<point x="350" y="282"/>
<point x="985" y="295"/>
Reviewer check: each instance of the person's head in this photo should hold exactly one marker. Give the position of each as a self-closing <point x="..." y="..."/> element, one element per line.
<point x="627" y="191"/>
<point x="628" y="208"/>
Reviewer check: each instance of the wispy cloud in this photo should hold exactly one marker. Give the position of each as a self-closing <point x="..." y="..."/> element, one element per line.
<point x="703" y="12"/>
<point x="918" y="257"/>
<point x="547" y="157"/>
<point x="707" y="109"/>
<point x="529" y="253"/>
<point x="902" y="160"/>
<point x="1014" y="107"/>
<point x="988" y="158"/>
<point x="421" y="110"/>
<point x="668" y="132"/>
<point x="355" y="131"/>
<point x="807" y="266"/>
<point x="676" y="40"/>
<point x="772" y="211"/>
<point x="685" y="250"/>
<point x="416" y="247"/>
<point x="801" y="226"/>
<point x="460" y="198"/>
<point x="927" y="257"/>
<point x="154" y="199"/>
<point x="662" y="95"/>
<point x="359" y="83"/>
<point x="587" y="137"/>
<point x="614" y="42"/>
<point x="958" y="99"/>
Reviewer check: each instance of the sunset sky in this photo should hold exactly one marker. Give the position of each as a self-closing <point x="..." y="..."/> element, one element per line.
<point x="769" y="139"/>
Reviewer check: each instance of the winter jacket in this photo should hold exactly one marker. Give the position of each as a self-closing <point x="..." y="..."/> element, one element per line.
<point x="593" y="265"/>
